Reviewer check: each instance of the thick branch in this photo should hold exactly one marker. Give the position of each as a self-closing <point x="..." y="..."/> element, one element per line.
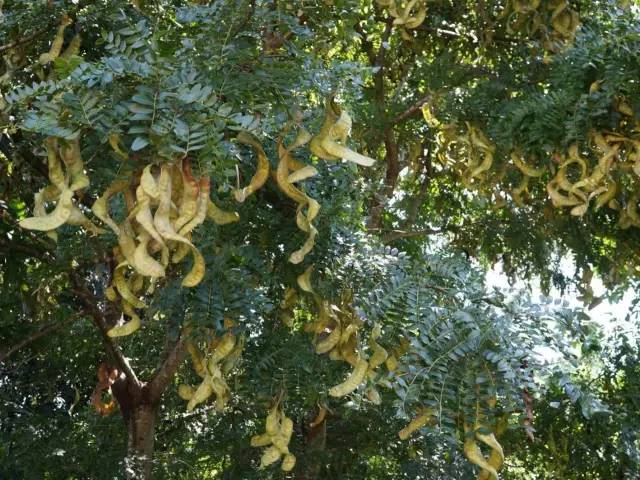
<point x="413" y="110"/>
<point x="174" y="354"/>
<point x="90" y="303"/>
<point x="44" y="331"/>
<point x="396" y="234"/>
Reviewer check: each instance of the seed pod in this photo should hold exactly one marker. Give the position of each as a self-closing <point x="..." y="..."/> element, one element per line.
<point x="328" y="143"/>
<point x="164" y="227"/>
<point x="304" y="280"/>
<point x="288" y="462"/>
<point x="373" y="395"/>
<point x="262" y="171"/>
<point x="73" y="48"/>
<point x="474" y="454"/>
<point x="149" y="184"/>
<point x="223" y="349"/>
<point x="186" y="391"/>
<point x="329" y="341"/>
<point x="320" y="417"/>
<point x="120" y="282"/>
<point x="190" y="191"/>
<point x="129" y="327"/>
<point x="55" y="219"/>
<point x="426" y="415"/>
<point x="303" y="221"/>
<point x="201" y="394"/>
<point x="391" y="363"/>
<point x="72" y="158"/>
<point x="197" y="359"/>
<point x="56" y="44"/>
<point x="100" y="207"/>
<point x="56" y="175"/>
<point x="352" y="382"/>
<point x="219" y="216"/>
<point x="261" y="440"/>
<point x="270" y="456"/>
<point x="204" y="188"/>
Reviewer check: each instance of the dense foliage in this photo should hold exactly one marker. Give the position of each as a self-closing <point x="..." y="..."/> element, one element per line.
<point x="504" y="132"/>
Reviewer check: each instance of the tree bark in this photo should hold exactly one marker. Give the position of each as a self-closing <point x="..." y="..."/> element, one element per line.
<point x="141" y="429"/>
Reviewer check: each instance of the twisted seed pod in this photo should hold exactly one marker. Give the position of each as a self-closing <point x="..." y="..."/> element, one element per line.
<point x="56" y="218"/>
<point x="271" y="455"/>
<point x="106" y="378"/>
<point x="122" y="286"/>
<point x="190" y="192"/>
<point x="162" y="222"/>
<point x="304" y="280"/>
<point x="474" y="454"/>
<point x="328" y="144"/>
<point x="320" y="417"/>
<point x="303" y="221"/>
<point x="262" y="440"/>
<point x="262" y="171"/>
<point x="56" y="44"/>
<point x="186" y="391"/>
<point x="224" y="348"/>
<point x="100" y="207"/>
<point x="219" y="216"/>
<point x="353" y="381"/>
<point x="56" y="175"/>
<point x="71" y="156"/>
<point x="329" y="341"/>
<point x="129" y="327"/>
<point x="288" y="462"/>
<point x="425" y="416"/>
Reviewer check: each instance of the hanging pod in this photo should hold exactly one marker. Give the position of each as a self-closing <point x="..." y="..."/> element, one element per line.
<point x="262" y="171"/>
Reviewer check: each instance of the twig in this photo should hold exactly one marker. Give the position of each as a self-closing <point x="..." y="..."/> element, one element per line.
<point x="52" y="327"/>
<point x="90" y="303"/>
<point x="411" y="111"/>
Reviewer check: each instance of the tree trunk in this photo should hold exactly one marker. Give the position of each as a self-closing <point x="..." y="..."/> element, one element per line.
<point x="140" y="428"/>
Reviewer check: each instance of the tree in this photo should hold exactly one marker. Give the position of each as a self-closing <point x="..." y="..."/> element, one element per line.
<point x="126" y="124"/>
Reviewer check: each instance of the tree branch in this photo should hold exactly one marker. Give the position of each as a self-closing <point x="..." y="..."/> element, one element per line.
<point x="174" y="354"/>
<point x="90" y="303"/>
<point x="411" y="111"/>
<point x="52" y="327"/>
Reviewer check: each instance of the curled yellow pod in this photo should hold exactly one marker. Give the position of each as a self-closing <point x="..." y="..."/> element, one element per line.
<point x="424" y="417"/>
<point x="190" y="191"/>
<point x="186" y="391"/>
<point x="270" y="456"/>
<point x="474" y="454"/>
<point x="219" y="216"/>
<point x="54" y="165"/>
<point x="261" y="440"/>
<point x="197" y="359"/>
<point x="304" y="280"/>
<point x="329" y="341"/>
<point x="72" y="158"/>
<point x="56" y="44"/>
<point x="56" y="218"/>
<point x="202" y="203"/>
<point x="353" y="381"/>
<point x="526" y="169"/>
<point x="201" y="394"/>
<point x="122" y="285"/>
<point x="145" y="264"/>
<point x="262" y="170"/>
<point x="224" y="348"/>
<point x="164" y="226"/>
<point x="288" y="462"/>
<point x="100" y="207"/>
<point x="128" y="327"/>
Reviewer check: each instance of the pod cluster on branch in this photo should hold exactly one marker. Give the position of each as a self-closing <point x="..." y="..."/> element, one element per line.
<point x="222" y="357"/>
<point x="277" y="435"/>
